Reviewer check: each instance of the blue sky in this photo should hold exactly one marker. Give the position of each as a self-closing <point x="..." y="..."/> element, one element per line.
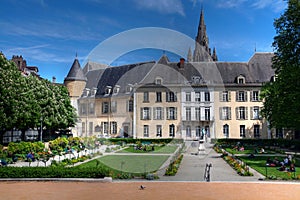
<point x="49" y="33"/>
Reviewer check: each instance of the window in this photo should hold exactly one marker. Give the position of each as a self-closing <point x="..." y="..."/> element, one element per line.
<point x="207" y="114"/>
<point x="241" y="80"/>
<point x="145" y="113"/>
<point x="158" y="131"/>
<point x="243" y="131"/>
<point x="198" y="113"/>
<point x="206" y="96"/>
<point x="104" y="126"/>
<point x="225" y="113"/>
<point x="113" y="106"/>
<point x="146" y="96"/>
<point x="116" y="89"/>
<point x="105" y="107"/>
<point x="172" y="130"/>
<point x="97" y="128"/>
<point x="113" y="127"/>
<point x="107" y="90"/>
<point x="256" y="131"/>
<point x="255" y="96"/>
<point x="146" y="130"/>
<point x="91" y="108"/>
<point x="226" y="130"/>
<point x="188" y="113"/>
<point x="158" y="96"/>
<point x="241" y="96"/>
<point x="241" y="113"/>
<point x="158" y="81"/>
<point x="255" y="112"/>
<point x="130" y="105"/>
<point x="198" y="131"/>
<point x="158" y="113"/>
<point x="188" y="131"/>
<point x="83" y="110"/>
<point x="171" y="97"/>
<point x="91" y="128"/>
<point x="128" y="88"/>
<point x="83" y="128"/>
<point x="171" y="113"/>
<point x="188" y="96"/>
<point x="225" y="96"/>
<point x="197" y="96"/>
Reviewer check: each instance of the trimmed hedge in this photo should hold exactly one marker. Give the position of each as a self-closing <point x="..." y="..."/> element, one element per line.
<point x="281" y="143"/>
<point x="52" y="172"/>
<point x="146" y="140"/>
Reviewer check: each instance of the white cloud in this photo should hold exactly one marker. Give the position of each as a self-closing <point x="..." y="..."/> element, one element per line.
<point x="162" y="6"/>
<point x="230" y="3"/>
<point x="275" y="5"/>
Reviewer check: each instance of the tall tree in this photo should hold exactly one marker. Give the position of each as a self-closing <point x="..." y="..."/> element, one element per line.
<point x="282" y="97"/>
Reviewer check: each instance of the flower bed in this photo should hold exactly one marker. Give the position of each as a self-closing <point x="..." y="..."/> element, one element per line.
<point x="173" y="167"/>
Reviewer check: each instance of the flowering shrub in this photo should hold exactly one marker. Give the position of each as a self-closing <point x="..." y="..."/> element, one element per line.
<point x="173" y="167"/>
<point x="239" y="166"/>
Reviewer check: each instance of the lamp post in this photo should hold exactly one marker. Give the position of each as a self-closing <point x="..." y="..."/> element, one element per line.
<point x="41" y="129"/>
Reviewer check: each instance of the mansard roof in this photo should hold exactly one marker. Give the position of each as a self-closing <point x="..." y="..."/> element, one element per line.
<point x="75" y="73"/>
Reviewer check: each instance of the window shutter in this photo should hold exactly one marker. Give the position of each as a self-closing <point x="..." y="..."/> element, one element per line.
<point x="221" y="113"/>
<point x="246" y="92"/>
<point x="246" y="112"/>
<point x="162" y="113"/>
<point x="237" y="96"/>
<point x="175" y="96"/>
<point x="237" y="113"/>
<point x="142" y="114"/>
<point x="251" y="112"/>
<point x="175" y="113"/>
<point x="154" y="113"/>
<point x="229" y="112"/>
<point x="168" y="115"/>
<point x="221" y="96"/>
<point x="251" y="95"/>
<point x="149" y="113"/>
<point x="167" y="97"/>
<point x="259" y="113"/>
<point x="229" y="96"/>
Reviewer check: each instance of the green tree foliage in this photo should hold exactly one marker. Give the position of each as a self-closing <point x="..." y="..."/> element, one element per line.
<point x="26" y="101"/>
<point x="282" y="97"/>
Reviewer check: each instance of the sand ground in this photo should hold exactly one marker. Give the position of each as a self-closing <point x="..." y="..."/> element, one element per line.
<point x="12" y="190"/>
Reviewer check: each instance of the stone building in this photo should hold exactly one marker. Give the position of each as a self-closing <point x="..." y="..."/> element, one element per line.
<point x="184" y="99"/>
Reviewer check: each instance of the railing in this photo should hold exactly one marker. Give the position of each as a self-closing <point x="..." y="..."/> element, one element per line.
<point x="207" y="172"/>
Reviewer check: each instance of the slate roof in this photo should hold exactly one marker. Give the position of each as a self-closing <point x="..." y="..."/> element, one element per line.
<point x="258" y="70"/>
<point x="76" y="73"/>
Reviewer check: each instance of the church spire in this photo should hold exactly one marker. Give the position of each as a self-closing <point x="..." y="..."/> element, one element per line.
<point x="190" y="55"/>
<point x="202" y="51"/>
<point x="214" y="55"/>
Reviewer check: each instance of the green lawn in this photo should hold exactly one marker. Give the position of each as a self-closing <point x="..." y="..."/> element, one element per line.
<point x="259" y="164"/>
<point x="248" y="150"/>
<point x="130" y="163"/>
<point x="157" y="149"/>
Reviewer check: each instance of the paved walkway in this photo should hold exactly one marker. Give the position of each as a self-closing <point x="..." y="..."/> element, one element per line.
<point x="192" y="167"/>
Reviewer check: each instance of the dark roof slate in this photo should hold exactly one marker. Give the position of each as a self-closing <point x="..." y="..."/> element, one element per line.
<point x="75" y="73"/>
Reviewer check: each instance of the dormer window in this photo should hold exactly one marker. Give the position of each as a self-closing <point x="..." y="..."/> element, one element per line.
<point x="241" y="79"/>
<point x="116" y="89"/>
<point x="158" y="81"/>
<point x="86" y="92"/>
<point x="196" y="79"/>
<point x="107" y="90"/>
<point x="128" y="88"/>
<point x="94" y="91"/>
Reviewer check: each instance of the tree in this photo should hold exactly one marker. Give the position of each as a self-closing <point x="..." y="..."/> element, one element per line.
<point x="282" y="97"/>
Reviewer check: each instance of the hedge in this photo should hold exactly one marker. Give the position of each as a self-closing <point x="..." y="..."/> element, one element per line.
<point x="52" y="172"/>
<point x="146" y="140"/>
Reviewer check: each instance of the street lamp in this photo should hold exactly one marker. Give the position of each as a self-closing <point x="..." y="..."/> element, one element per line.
<point x="41" y="129"/>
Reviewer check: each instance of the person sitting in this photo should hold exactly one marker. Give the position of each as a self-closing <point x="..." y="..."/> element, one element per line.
<point x="282" y="168"/>
<point x="262" y="150"/>
<point x="242" y="148"/>
<point x="270" y="163"/>
<point x="3" y="162"/>
<point x="285" y="161"/>
<point x="30" y="157"/>
<point x="276" y="161"/>
<point x="292" y="168"/>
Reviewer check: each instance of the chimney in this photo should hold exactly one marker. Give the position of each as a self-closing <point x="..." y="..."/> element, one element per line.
<point x="181" y="63"/>
<point x="53" y="79"/>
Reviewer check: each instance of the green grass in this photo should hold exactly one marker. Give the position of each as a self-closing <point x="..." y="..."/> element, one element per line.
<point x="157" y="149"/>
<point x="129" y="163"/>
<point x="258" y="163"/>
<point x="248" y="150"/>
